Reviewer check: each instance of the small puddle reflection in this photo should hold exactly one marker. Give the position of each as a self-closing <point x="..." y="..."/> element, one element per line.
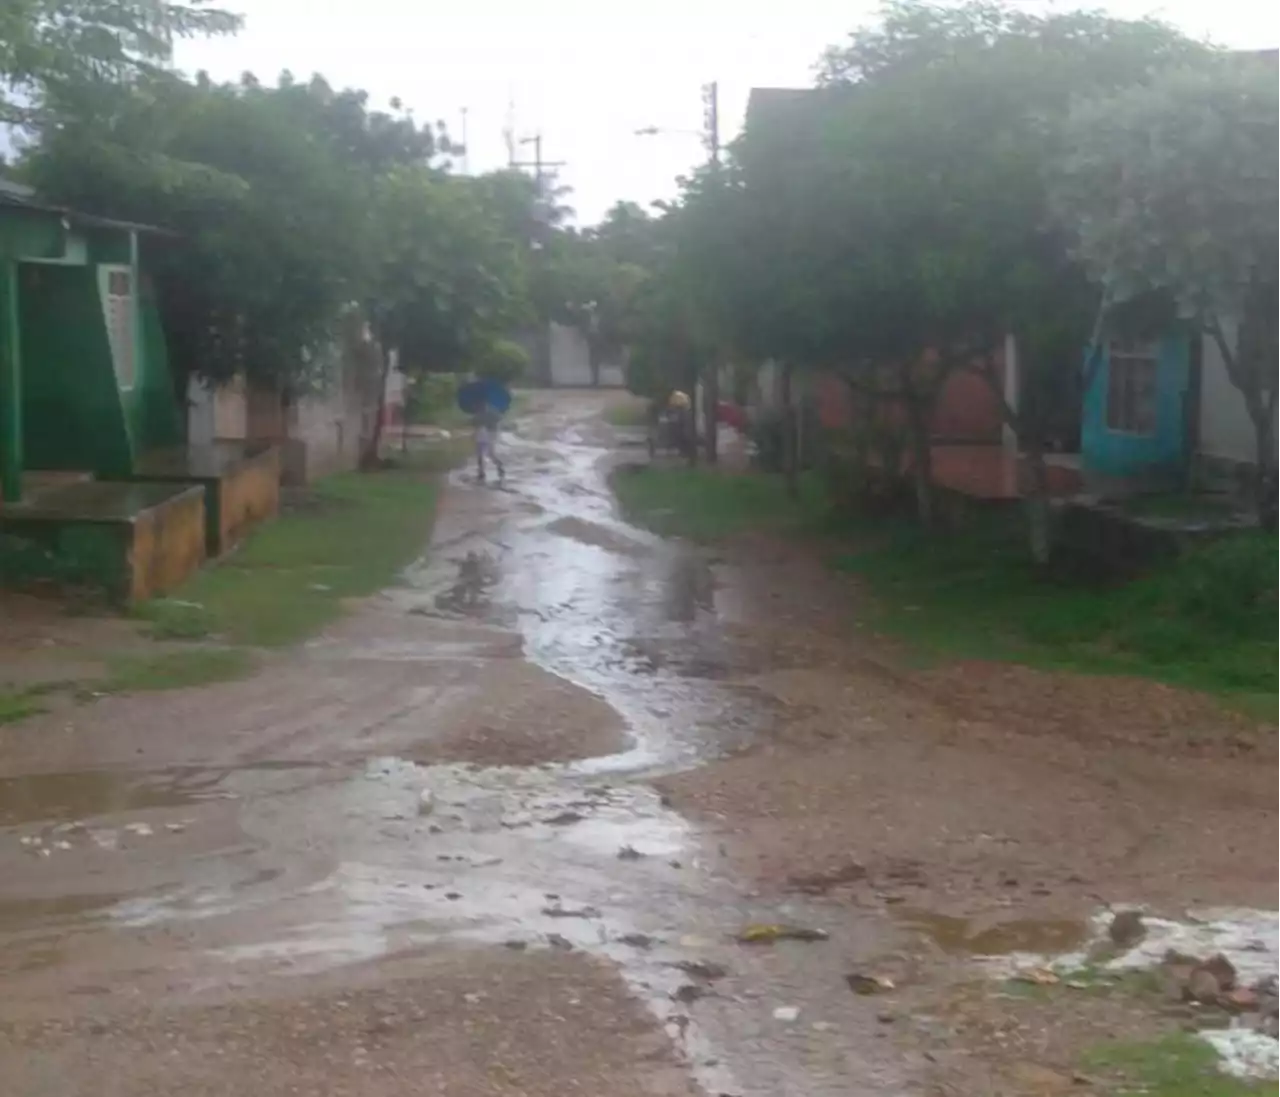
<point x="58" y="797"/>
<point x="965" y="936"/>
<point x="85" y="794"/>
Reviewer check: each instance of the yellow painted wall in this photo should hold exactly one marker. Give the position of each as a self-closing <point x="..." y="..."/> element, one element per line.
<point x="168" y="545"/>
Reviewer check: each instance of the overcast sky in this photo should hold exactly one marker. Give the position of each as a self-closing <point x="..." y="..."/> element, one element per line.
<point x="585" y="74"/>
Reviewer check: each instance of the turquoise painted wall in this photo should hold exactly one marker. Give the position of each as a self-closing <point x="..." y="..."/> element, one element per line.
<point x="1120" y="454"/>
<point x="73" y="417"/>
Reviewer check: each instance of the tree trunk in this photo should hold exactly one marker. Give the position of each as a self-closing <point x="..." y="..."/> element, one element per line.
<point x="1039" y="514"/>
<point x="710" y="411"/>
<point x="370" y="459"/>
<point x="921" y="455"/>
<point x="1264" y="475"/>
<point x="790" y="458"/>
<point x="689" y="419"/>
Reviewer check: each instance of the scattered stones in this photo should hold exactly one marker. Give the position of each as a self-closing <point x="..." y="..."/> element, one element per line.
<point x="453" y="896"/>
<point x="515" y="945"/>
<point x="570" y="912"/>
<point x="819" y="883"/>
<point x="426" y="802"/>
<point x="636" y="940"/>
<point x="1127" y="929"/>
<point x="786" y="1014"/>
<point x="564" y="818"/>
<point x="1222" y="969"/>
<point x="142" y="830"/>
<point x="1201" y="986"/>
<point x="702" y="969"/>
<point x="558" y="940"/>
<point x="688" y="993"/>
<point x="629" y="853"/>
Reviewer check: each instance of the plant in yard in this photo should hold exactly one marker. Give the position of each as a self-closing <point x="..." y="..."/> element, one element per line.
<point x="447" y="280"/>
<point x="1171" y="188"/>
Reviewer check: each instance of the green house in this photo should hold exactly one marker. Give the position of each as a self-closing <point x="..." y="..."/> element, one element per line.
<point x="88" y="410"/>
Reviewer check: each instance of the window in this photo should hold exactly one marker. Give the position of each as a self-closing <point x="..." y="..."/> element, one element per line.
<point x="1131" y="387"/>
<point x="117" y="308"/>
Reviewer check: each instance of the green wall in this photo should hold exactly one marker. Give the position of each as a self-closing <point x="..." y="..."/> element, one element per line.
<point x="73" y="416"/>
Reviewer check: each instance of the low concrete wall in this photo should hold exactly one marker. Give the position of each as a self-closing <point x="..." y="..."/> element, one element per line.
<point x="168" y="544"/>
<point x="121" y="541"/>
<point x="248" y="493"/>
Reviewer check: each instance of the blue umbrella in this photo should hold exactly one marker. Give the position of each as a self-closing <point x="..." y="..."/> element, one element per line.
<point x="475" y="396"/>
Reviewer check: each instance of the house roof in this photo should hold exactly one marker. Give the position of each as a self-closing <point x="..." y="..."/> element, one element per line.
<point x="21" y="196"/>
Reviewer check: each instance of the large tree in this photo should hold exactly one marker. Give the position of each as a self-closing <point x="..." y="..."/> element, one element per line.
<point x="905" y="206"/>
<point x="270" y="211"/>
<point x="58" y="45"/>
<point x="1171" y="189"/>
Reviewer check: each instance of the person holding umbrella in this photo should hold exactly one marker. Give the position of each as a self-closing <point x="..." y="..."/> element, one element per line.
<point x="486" y="400"/>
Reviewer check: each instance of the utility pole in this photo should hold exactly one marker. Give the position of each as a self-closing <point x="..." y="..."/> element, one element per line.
<point x="711" y="380"/>
<point x="543" y="220"/>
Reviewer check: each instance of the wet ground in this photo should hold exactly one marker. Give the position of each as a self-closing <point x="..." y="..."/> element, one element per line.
<point x="461" y="768"/>
<point x="499" y="831"/>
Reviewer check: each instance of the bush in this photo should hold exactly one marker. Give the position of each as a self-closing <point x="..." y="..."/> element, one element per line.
<point x="502" y="360"/>
<point x="431" y="397"/>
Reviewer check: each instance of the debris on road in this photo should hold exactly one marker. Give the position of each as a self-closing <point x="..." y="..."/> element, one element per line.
<point x="702" y="969"/>
<point x="1127" y="929"/>
<point x="862" y="983"/>
<point x="570" y="912"/>
<point x="767" y="934"/>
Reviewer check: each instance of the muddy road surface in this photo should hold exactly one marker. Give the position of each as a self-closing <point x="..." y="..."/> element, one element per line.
<point x="422" y="854"/>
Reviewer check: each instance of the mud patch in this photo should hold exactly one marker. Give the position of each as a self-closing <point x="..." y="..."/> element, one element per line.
<point x="499" y="1022"/>
<point x="524" y="716"/>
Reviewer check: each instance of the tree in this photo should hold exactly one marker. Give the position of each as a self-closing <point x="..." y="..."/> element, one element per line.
<point x="269" y="212"/>
<point x="448" y="281"/>
<point x="952" y="121"/>
<point x="1172" y="189"/>
<point x="56" y="45"/>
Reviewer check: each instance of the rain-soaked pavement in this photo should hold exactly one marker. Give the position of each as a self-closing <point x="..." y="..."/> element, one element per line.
<point x="355" y="805"/>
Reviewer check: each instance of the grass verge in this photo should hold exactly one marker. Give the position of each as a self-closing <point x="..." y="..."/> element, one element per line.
<point x="18" y="704"/>
<point x="1174" y="1066"/>
<point x="175" y="670"/>
<point x="1206" y="621"/>
<point x="346" y="537"/>
<point x="706" y="505"/>
<point x="629" y="413"/>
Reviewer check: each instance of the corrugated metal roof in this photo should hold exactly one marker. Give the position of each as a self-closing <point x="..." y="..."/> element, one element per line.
<point x="25" y="197"/>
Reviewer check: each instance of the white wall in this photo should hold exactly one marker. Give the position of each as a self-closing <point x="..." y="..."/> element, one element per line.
<point x="571" y="361"/>
<point x="1226" y="431"/>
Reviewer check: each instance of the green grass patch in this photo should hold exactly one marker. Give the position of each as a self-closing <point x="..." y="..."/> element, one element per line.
<point x="1206" y="621"/>
<point x="345" y="537"/>
<point x="175" y="670"/>
<point x="1174" y="1066"/>
<point x="706" y="505"/>
<point x="18" y="704"/>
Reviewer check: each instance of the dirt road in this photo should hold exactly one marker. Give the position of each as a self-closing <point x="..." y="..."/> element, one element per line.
<point x="496" y="832"/>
